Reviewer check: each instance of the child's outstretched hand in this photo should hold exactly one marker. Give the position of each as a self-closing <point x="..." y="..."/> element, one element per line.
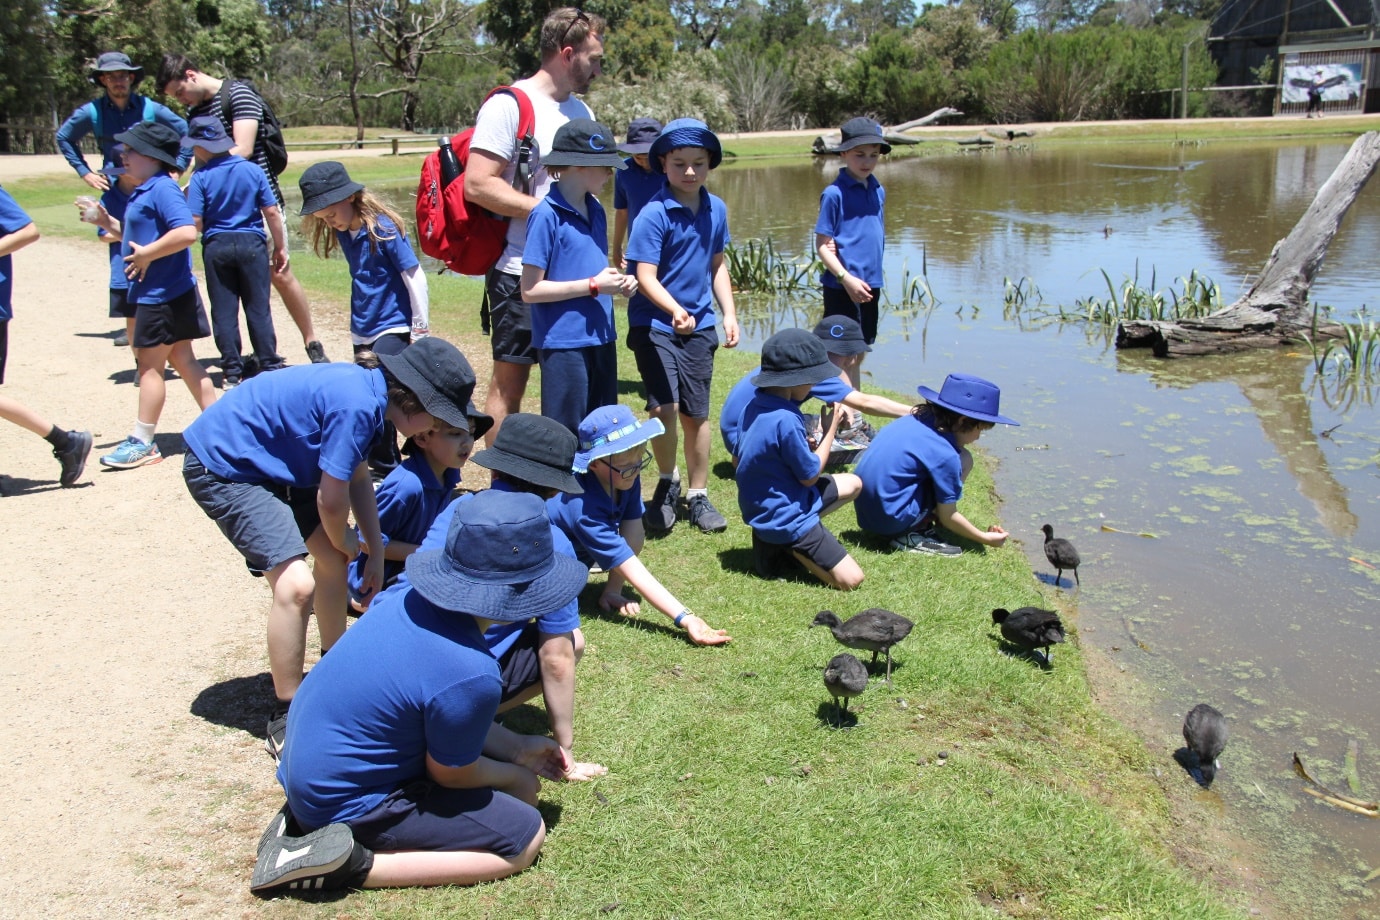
<point x="582" y="772"/>
<point x="996" y="535"/>
<point x="701" y="633"/>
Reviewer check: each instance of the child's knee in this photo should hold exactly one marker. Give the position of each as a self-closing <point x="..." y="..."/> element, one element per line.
<point x="529" y="852"/>
<point x="296" y="586"/>
<point x="847" y="575"/>
<point x="849" y="485"/>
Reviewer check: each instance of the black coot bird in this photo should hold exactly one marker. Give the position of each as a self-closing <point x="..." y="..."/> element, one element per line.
<point x="844" y="677"/>
<point x="1061" y="555"/>
<point x="1030" y="628"/>
<point x="1205" y="733"/>
<point x="875" y="630"/>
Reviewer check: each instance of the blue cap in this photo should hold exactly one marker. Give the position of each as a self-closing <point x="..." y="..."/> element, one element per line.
<point x="686" y="132"/>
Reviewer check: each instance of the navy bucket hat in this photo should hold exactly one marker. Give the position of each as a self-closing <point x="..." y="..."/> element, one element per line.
<point x="535" y="449"/>
<point x="154" y="140"/>
<point x="686" y="132"/>
<point x="207" y="132"/>
<point x="499" y="562"/>
<point x="792" y="358"/>
<point x="642" y="132"/>
<point x="584" y="142"/>
<point x="841" y="335"/>
<point x="113" y="62"/>
<point x="859" y="131"/>
<point x="969" y="396"/>
<point x="442" y="380"/>
<point x="323" y="184"/>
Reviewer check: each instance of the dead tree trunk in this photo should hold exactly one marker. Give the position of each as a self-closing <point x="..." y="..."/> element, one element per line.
<point x="1275" y="310"/>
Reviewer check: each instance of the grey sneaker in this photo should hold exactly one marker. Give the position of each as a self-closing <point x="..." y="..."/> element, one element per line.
<point x="317" y="353"/>
<point x="282" y="825"/>
<point x="926" y="542"/>
<point x="860" y="433"/>
<point x="275" y="733"/>
<point x="660" y="515"/>
<point x="73" y="459"/>
<point x="302" y="863"/>
<point x="121" y="340"/>
<point x="700" y="512"/>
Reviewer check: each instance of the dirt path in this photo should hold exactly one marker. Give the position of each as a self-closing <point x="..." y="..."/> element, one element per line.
<point x="135" y="663"/>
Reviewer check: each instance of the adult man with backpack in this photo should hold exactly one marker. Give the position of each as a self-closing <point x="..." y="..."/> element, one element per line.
<point x="258" y="138"/>
<point x="116" y="111"/>
<point x="572" y="50"/>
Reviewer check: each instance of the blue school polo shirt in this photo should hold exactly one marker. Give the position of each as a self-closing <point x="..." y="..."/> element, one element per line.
<point x="907" y="471"/>
<point x="567" y="247"/>
<point x="115" y="202"/>
<point x="591" y="520"/>
<point x="833" y="390"/>
<point x="774" y="456"/>
<point x="409" y="498"/>
<point x="378" y="298"/>
<point x="501" y="636"/>
<point x="226" y="193"/>
<point x="154" y="208"/>
<point x="634" y="187"/>
<point x="682" y="245"/>
<point x="407" y="680"/>
<point x="292" y="425"/>
<point x="12" y="220"/>
<point x="852" y="213"/>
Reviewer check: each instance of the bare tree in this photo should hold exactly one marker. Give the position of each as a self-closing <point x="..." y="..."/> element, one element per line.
<point x="758" y="93"/>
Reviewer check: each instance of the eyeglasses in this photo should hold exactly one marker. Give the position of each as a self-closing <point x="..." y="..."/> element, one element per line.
<point x="580" y="16"/>
<point x="628" y="472"/>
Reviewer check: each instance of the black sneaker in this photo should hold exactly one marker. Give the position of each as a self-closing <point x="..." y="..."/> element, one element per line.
<point x="660" y="516"/>
<point x="275" y="733"/>
<point x="926" y="542"/>
<point x="229" y="383"/>
<point x="282" y="825"/>
<point x="702" y="514"/>
<point x="317" y="353"/>
<point x="302" y="863"/>
<point x="73" y="459"/>
<point x="250" y="363"/>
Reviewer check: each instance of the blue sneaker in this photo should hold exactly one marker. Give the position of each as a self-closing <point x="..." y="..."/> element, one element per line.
<point x="131" y="452"/>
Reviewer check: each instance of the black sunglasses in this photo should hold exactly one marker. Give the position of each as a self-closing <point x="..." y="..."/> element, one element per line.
<point x="580" y="16"/>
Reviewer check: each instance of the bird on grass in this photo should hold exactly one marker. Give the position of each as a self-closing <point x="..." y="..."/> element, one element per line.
<point x="1030" y="628"/>
<point x="844" y="677"/>
<point x="1061" y="555"/>
<point x="875" y="630"/>
<point x="1205" y="733"/>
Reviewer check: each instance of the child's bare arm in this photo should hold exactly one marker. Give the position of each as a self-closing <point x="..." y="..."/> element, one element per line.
<point x="637" y="575"/>
<point x="620" y="233"/>
<point x="829" y="425"/>
<point x="722" y="285"/>
<point x="954" y="522"/>
<point x="273" y="219"/>
<point x="170" y="243"/>
<point x="12" y="242"/>
<point x="556" y="653"/>
<point x="873" y="404"/>
<point x="537" y="288"/>
<point x="858" y="290"/>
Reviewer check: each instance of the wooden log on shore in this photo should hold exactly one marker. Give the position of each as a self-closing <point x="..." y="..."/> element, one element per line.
<point x="1275" y="310"/>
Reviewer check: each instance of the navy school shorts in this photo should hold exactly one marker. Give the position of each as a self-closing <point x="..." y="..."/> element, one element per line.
<point x="120" y="305"/>
<point x="838" y="303"/>
<point x="818" y="544"/>
<point x="676" y="368"/>
<point x="520" y="666"/>
<point x="267" y="523"/>
<point x="425" y="816"/>
<point x="178" y="320"/>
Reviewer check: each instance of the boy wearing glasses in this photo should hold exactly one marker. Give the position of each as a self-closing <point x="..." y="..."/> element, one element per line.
<point x="605" y="521"/>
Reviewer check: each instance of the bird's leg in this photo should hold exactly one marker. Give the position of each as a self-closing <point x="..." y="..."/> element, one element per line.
<point x="888" y="666"/>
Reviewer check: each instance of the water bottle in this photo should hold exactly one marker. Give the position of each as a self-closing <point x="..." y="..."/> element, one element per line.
<point x="450" y="165"/>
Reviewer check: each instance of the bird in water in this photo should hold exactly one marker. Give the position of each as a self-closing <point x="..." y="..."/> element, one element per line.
<point x="875" y="630"/>
<point x="844" y="677"/>
<point x="1061" y="555"/>
<point x="1030" y="628"/>
<point x="1205" y="733"/>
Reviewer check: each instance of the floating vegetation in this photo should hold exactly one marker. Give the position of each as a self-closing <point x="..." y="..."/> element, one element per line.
<point x="1346" y="802"/>
<point x="756" y="265"/>
<point x="1354" y="354"/>
<point x="1197" y="295"/>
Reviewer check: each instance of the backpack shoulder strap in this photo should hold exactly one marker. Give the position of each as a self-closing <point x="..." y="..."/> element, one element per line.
<point x="95" y="112"/>
<point x="526" y="136"/>
<point x="150" y="109"/>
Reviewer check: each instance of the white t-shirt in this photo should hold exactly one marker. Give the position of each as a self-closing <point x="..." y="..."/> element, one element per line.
<point x="495" y="131"/>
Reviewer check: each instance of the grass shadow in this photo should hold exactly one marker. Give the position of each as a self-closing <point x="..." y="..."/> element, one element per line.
<point x="830" y="717"/>
<point x="739" y="560"/>
<point x="1015" y="651"/>
<point x="630" y="387"/>
<point x="724" y="470"/>
<point x="589" y="608"/>
<point x="243" y="703"/>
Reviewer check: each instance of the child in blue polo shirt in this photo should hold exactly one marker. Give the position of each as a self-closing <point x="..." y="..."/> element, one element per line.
<point x="843" y="340"/>
<point x="278" y="465"/>
<point x="781" y="490"/>
<point x="110" y="213"/>
<point x="71" y="448"/>
<point x="678" y="247"/>
<point x="156" y="235"/>
<point x="913" y="472"/>
<point x="567" y="279"/>
<point x="232" y="202"/>
<point x="635" y="185"/>
<point x="604" y="522"/>
<point x="850" y="234"/>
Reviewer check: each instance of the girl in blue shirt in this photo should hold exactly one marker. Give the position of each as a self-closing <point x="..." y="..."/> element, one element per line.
<point x="566" y="276"/>
<point x="157" y="234"/>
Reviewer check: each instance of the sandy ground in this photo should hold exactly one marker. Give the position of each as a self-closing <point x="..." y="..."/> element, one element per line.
<point x="135" y="667"/>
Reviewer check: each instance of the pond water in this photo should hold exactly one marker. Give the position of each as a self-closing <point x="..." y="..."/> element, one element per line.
<point x="1258" y="480"/>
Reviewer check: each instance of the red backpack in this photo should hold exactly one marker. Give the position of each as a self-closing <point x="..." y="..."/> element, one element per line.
<point x="463" y="236"/>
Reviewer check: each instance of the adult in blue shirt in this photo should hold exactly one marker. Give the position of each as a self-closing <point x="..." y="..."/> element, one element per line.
<point x="394" y="765"/>
<point x="120" y="109"/>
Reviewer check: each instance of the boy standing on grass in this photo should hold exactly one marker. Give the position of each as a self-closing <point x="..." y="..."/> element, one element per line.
<point x="850" y="235"/>
<point x="71" y="448"/>
<point x="781" y="490"/>
<point x="677" y="246"/>
<point x="635" y="185"/>
<point x="232" y="202"/>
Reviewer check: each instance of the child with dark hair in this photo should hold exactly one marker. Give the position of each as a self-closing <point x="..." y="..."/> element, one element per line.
<point x="913" y="471"/>
<point x="635" y="185"/>
<point x="278" y="464"/>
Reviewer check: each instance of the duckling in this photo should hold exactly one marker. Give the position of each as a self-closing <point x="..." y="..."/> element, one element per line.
<point x="844" y="677"/>
<point x="1061" y="555"/>
<point x="1205" y="733"/>
<point x="874" y="629"/>
<point x="1030" y="628"/>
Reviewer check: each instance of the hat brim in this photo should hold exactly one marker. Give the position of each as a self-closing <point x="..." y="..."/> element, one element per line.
<point x="436" y="579"/>
<point x="436" y="404"/>
<point x="557" y="158"/>
<point x="796" y="377"/>
<point x="139" y="145"/>
<point x="220" y="146"/>
<point x="859" y="141"/>
<point x="492" y="458"/>
<point x="636" y="148"/>
<point x="644" y="432"/>
<point x="326" y="199"/>
<point x="94" y="73"/>
<point x="686" y="137"/>
<point x="931" y="396"/>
